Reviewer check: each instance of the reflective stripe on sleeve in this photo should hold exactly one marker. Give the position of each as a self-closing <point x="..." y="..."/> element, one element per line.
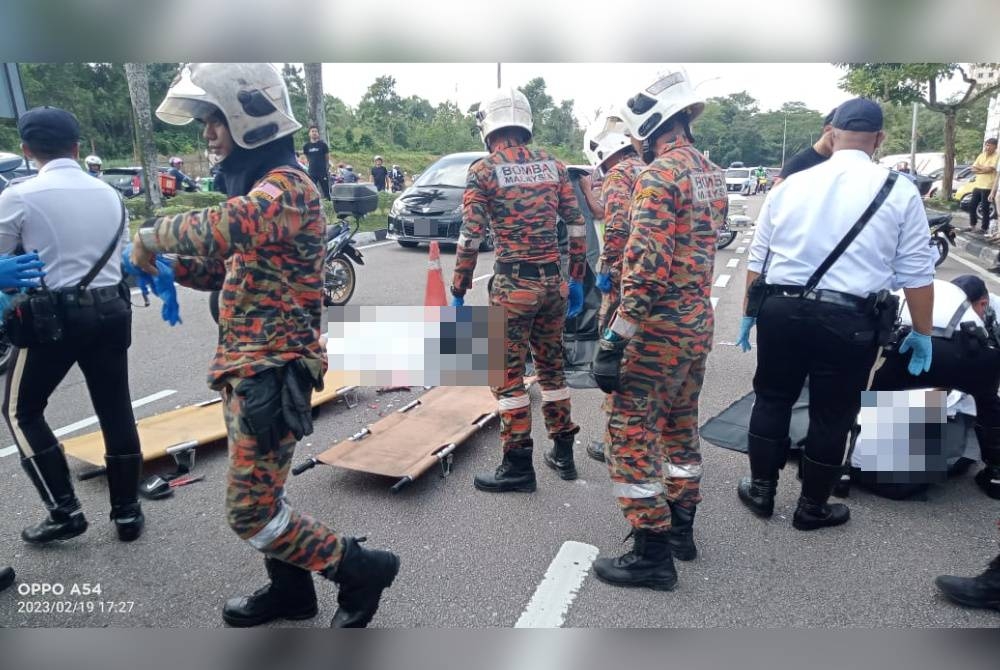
<point x="683" y="471"/>
<point x="637" y="491"/>
<point x="274" y="528"/>
<point x="555" y="395"/>
<point x="517" y="402"/>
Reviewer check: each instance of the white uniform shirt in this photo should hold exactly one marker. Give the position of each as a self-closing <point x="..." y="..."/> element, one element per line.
<point x="69" y="218"/>
<point x="809" y="213"/>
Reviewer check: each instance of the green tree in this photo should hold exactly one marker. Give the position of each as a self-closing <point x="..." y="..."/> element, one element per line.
<point x="906" y="83"/>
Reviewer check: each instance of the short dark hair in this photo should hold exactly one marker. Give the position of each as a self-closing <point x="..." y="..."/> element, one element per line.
<point x="47" y="151"/>
<point x="316" y="127"/>
<point x="991" y="140"/>
<point x="973" y="286"/>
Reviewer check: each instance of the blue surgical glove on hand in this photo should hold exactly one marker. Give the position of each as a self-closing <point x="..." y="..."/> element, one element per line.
<point x="575" y="299"/>
<point x="142" y="278"/>
<point x="164" y="287"/>
<point x="457" y="301"/>
<point x="744" y="339"/>
<point x="920" y="359"/>
<point x="22" y="271"/>
<point x="604" y="282"/>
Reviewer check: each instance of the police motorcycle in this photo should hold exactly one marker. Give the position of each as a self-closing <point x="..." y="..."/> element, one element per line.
<point x="340" y="278"/>
<point x="943" y="233"/>
<point x="736" y="219"/>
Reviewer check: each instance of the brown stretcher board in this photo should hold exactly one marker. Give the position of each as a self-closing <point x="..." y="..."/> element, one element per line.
<point x="181" y="430"/>
<point x="411" y="440"/>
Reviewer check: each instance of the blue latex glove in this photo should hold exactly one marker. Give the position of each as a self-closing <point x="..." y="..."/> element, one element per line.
<point x="604" y="282"/>
<point x="21" y="271"/>
<point x="920" y="359"/>
<point x="744" y="339"/>
<point x="164" y="287"/>
<point x="142" y="278"/>
<point x="457" y="302"/>
<point x="575" y="299"/>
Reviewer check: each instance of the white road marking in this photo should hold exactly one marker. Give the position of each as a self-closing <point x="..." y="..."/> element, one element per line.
<point x="733" y="262"/>
<point x="979" y="269"/>
<point x="715" y="301"/>
<point x="748" y="238"/>
<point x="721" y="281"/>
<point x="91" y="420"/>
<point x="552" y="599"/>
<point x="482" y="277"/>
<point x="376" y="244"/>
<point x="741" y="250"/>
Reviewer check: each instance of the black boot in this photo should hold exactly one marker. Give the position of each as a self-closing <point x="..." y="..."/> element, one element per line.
<point x="681" y="534"/>
<point x="362" y="575"/>
<point x="49" y="472"/>
<point x="123" y="487"/>
<point x="988" y="479"/>
<point x="514" y="474"/>
<point x="982" y="591"/>
<point x="289" y="595"/>
<point x="596" y="451"/>
<point x="560" y="456"/>
<point x="818" y="480"/>
<point x="767" y="457"/>
<point x="6" y="577"/>
<point x="648" y="564"/>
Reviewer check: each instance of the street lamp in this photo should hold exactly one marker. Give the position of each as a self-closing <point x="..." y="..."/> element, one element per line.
<point x="784" y="139"/>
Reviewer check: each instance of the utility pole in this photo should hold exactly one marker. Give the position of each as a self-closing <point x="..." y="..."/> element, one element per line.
<point x="913" y="143"/>
<point x="498" y="76"/>
<point x="784" y="138"/>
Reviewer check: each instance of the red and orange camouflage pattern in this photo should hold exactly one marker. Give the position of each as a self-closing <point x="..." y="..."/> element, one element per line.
<point x="617" y="198"/>
<point x="678" y="204"/>
<point x="265" y="251"/>
<point x="255" y="491"/>
<point x="520" y="192"/>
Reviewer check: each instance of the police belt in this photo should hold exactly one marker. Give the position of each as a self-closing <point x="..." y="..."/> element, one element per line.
<point x="74" y="297"/>
<point x="527" y="270"/>
<point x="827" y="296"/>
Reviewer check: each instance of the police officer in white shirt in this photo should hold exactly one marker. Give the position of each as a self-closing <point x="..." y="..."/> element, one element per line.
<point x="966" y="344"/>
<point x="829" y="333"/>
<point x="72" y="220"/>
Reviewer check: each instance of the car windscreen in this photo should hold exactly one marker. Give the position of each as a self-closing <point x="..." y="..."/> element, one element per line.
<point x="737" y="174"/>
<point x="448" y="171"/>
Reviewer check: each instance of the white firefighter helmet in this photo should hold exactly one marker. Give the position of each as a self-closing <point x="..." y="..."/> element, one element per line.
<point x="93" y="160"/>
<point x="505" y="108"/>
<point x="607" y="136"/>
<point x="252" y="96"/>
<point x="655" y="104"/>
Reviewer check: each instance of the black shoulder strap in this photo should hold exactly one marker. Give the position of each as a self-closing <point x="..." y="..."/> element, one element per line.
<point x="107" y="252"/>
<point x="853" y="232"/>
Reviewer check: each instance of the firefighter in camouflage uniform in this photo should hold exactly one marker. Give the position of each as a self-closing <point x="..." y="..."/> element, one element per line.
<point x="520" y="192"/>
<point x="652" y="356"/>
<point x="264" y="249"/>
<point x="610" y="149"/>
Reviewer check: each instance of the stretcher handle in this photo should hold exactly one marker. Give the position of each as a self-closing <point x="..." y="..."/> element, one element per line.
<point x="401" y="484"/>
<point x="91" y="474"/>
<point x="308" y="464"/>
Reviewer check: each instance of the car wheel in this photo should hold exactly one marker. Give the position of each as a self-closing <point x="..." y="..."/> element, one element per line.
<point x="407" y="245"/>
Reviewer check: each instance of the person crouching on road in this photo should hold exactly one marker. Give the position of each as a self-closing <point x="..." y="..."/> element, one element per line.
<point x="78" y="225"/>
<point x="824" y="315"/>
<point x="615" y="157"/>
<point x="264" y="249"/>
<point x="519" y="192"/>
<point x="651" y="358"/>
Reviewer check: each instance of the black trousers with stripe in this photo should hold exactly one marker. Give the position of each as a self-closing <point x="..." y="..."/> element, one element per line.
<point x="97" y="338"/>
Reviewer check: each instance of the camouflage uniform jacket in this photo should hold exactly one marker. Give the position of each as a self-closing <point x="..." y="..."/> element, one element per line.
<point x="617" y="198"/>
<point x="520" y="192"/>
<point x="265" y="251"/>
<point x="678" y="204"/>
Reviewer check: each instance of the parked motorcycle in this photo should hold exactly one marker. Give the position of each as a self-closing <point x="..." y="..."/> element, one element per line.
<point x="943" y="234"/>
<point x="340" y="277"/>
<point x="724" y="236"/>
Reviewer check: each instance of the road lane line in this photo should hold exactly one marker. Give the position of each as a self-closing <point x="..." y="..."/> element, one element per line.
<point x="376" y="244"/>
<point x="721" y="281"/>
<point x="733" y="262"/>
<point x="715" y="301"/>
<point x="552" y="599"/>
<point x="978" y="268"/>
<point x="482" y="277"/>
<point x="741" y="250"/>
<point x="91" y="420"/>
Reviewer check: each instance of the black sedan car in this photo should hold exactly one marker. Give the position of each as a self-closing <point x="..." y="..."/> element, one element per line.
<point x="431" y="209"/>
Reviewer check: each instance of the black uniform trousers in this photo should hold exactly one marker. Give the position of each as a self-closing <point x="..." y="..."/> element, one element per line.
<point x="96" y="337"/>
<point x="961" y="362"/>
<point x="980" y="205"/>
<point x="323" y="181"/>
<point x="835" y="346"/>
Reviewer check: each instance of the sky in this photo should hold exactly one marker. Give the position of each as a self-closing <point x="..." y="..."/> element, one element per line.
<point x="590" y="85"/>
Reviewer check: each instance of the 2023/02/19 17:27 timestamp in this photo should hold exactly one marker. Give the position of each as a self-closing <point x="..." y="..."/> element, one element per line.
<point x="75" y="606"/>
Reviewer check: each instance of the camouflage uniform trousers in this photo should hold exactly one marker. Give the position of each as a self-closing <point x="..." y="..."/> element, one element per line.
<point x="256" y="507"/>
<point x="654" y="457"/>
<point x="535" y="313"/>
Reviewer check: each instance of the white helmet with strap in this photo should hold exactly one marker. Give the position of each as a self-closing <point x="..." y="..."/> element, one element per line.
<point x="93" y="160"/>
<point x="506" y="108"/>
<point x="671" y="94"/>
<point x="252" y="96"/>
<point x="607" y="136"/>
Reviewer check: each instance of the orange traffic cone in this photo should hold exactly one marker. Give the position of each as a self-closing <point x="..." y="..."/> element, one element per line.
<point x="434" y="296"/>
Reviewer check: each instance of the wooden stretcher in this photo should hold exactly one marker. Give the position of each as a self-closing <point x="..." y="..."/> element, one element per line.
<point x="413" y="439"/>
<point x="178" y="432"/>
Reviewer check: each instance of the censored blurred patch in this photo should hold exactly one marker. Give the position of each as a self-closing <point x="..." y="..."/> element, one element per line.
<point x="417" y="346"/>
